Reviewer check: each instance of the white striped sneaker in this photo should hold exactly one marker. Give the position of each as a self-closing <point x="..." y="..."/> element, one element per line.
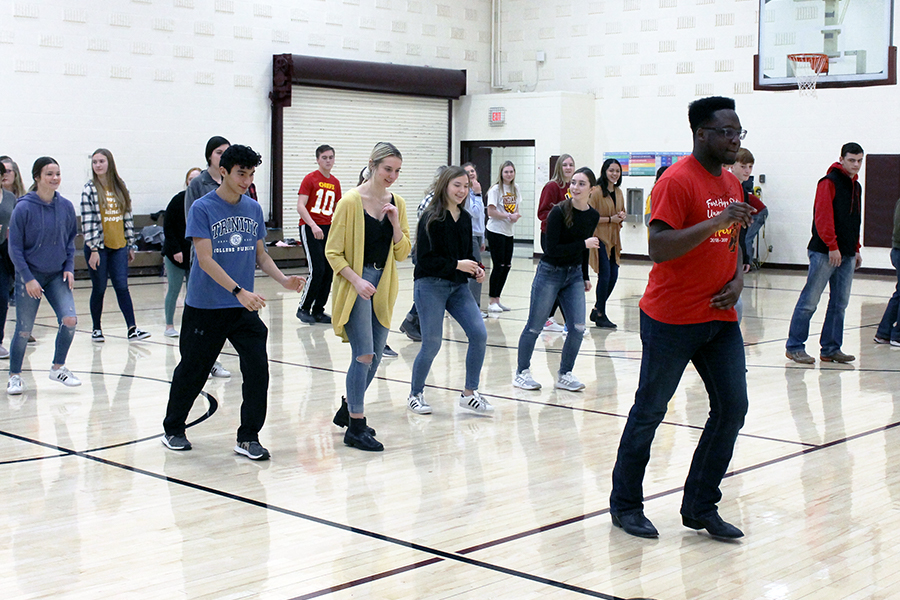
<point x="64" y="376"/>
<point x="417" y="404"/>
<point x="568" y="381"/>
<point x="525" y="381"/>
<point x="475" y="403"/>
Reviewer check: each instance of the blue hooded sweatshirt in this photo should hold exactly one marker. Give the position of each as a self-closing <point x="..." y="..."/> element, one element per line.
<point x="42" y="236"/>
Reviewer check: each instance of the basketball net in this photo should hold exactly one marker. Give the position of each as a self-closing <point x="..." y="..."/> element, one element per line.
<point x="807" y="68"/>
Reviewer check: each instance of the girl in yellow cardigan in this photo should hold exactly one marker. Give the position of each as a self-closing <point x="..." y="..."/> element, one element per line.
<point x="369" y="234"/>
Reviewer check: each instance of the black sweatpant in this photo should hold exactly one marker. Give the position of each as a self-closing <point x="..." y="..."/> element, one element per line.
<point x="318" y="285"/>
<point x="501" y="261"/>
<point x="203" y="334"/>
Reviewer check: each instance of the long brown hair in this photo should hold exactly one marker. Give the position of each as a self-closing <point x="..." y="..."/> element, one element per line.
<point x="18" y="183"/>
<point x="566" y="205"/>
<point x="437" y="208"/>
<point x="116" y="185"/>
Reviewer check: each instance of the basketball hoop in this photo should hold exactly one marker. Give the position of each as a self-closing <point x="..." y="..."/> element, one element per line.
<point x="807" y="68"/>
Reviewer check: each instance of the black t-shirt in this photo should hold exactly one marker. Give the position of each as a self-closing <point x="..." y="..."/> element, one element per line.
<point x="565" y="245"/>
<point x="445" y="243"/>
<point x="379" y="239"/>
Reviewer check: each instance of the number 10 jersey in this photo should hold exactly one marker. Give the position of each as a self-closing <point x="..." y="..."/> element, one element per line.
<point x="323" y="194"/>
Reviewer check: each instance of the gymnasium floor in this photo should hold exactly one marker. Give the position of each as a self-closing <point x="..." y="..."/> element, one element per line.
<point x="458" y="506"/>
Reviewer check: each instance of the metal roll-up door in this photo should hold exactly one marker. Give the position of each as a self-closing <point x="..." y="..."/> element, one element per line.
<point x="352" y="123"/>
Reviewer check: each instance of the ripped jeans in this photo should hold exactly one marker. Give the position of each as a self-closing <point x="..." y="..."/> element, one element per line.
<point x="552" y="283"/>
<point x="58" y="294"/>
<point x="367" y="337"/>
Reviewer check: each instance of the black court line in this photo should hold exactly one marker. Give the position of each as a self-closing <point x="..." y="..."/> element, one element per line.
<point x="439" y="554"/>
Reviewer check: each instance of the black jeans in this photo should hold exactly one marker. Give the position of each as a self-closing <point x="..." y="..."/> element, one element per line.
<point x="501" y="261"/>
<point x="203" y="333"/>
<point x="716" y="349"/>
<point x="315" y="292"/>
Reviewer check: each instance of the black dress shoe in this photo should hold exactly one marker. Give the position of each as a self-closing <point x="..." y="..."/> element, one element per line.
<point x="357" y="436"/>
<point x="593" y="316"/>
<point x="713" y="524"/>
<point x="305" y="316"/>
<point x="321" y="317"/>
<point x="635" y="524"/>
<point x="342" y="417"/>
<point x="604" y="322"/>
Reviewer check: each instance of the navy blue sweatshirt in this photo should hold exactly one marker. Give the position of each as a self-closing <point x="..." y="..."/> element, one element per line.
<point x="42" y="235"/>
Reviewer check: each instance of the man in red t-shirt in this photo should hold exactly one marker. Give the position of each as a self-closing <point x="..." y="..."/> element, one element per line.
<point x="319" y="193"/>
<point x="688" y="315"/>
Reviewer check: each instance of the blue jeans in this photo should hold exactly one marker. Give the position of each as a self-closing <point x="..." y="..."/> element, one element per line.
<point x="838" y="280"/>
<point x="367" y="337"/>
<point x="550" y="283"/>
<point x="175" y="275"/>
<point x="4" y="299"/>
<point x="755" y="225"/>
<point x="607" y="275"/>
<point x="114" y="266"/>
<point x="474" y="286"/>
<point x="58" y="294"/>
<point x="889" y="328"/>
<point x="434" y="295"/>
<point x="717" y="351"/>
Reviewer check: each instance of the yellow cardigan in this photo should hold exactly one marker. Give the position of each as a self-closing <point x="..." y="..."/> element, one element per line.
<point x="344" y="248"/>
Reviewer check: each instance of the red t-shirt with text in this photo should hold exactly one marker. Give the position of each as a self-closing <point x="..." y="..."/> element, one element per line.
<point x="680" y="290"/>
<point x="323" y="193"/>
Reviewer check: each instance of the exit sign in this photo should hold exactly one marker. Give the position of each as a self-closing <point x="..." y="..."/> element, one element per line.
<point x="497" y="116"/>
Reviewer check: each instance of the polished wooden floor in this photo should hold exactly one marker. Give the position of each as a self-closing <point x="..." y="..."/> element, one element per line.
<point x="458" y="506"/>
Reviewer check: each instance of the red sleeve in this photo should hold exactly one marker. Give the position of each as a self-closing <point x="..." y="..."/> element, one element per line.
<point x="755" y="202"/>
<point x="824" y="213"/>
<point x="306" y="186"/>
<point x="549" y="199"/>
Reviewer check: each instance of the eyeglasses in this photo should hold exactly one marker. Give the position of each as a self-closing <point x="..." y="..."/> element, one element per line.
<point x="728" y="132"/>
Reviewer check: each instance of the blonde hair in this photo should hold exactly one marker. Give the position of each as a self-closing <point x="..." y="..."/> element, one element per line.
<point x="558" y="175"/>
<point x="18" y="184"/>
<point x="381" y="151"/>
<point x="512" y="184"/>
<point x="116" y="185"/>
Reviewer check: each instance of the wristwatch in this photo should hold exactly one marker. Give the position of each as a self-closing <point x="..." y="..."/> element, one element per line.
<point x="237" y="290"/>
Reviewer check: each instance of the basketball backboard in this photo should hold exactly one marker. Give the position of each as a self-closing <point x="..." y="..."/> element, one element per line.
<point x="856" y="35"/>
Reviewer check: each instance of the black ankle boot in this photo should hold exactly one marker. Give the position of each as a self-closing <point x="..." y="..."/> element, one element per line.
<point x="342" y="416"/>
<point x="358" y="436"/>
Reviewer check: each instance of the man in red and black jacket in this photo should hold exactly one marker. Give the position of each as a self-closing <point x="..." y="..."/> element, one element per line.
<point x="833" y="257"/>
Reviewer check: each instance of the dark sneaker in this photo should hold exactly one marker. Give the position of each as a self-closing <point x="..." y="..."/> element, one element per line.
<point x="389" y="352"/>
<point x="135" y="334"/>
<point x="800" y="356"/>
<point x="321" y="317"/>
<point x="252" y="450"/>
<point x="97" y="336"/>
<point x="305" y="316"/>
<point x="838" y="357"/>
<point x="176" y="442"/>
<point x="411" y="328"/>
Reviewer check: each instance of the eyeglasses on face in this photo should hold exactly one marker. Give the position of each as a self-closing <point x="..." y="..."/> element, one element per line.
<point x="728" y="132"/>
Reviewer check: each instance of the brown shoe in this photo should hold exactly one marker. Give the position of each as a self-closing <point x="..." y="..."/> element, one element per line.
<point x="800" y="356"/>
<point x="838" y="357"/>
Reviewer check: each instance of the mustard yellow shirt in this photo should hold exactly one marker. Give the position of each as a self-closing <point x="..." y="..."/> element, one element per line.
<point x="344" y="248"/>
<point x="113" y="222"/>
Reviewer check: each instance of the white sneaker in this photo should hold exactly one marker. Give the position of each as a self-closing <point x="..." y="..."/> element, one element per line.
<point x="895" y="343"/>
<point x="219" y="371"/>
<point x="495" y="308"/>
<point x="550" y="325"/>
<point x="567" y="381"/>
<point x="15" y="385"/>
<point x="484" y="315"/>
<point x="64" y="376"/>
<point x="475" y="403"/>
<point x="525" y="381"/>
<point x="170" y="332"/>
<point x="503" y="307"/>
<point x="417" y="404"/>
<point x="4" y="353"/>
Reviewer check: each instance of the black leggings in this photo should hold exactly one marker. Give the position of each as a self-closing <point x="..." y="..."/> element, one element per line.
<point x="501" y="261"/>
